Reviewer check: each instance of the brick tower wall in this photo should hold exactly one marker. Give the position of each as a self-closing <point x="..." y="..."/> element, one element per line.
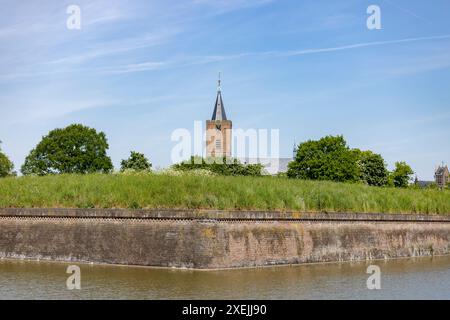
<point x="225" y="136"/>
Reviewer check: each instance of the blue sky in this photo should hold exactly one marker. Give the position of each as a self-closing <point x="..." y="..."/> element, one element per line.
<point x="138" y="70"/>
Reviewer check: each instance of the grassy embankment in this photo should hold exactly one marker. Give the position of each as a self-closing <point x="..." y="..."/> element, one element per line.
<point x="188" y="191"/>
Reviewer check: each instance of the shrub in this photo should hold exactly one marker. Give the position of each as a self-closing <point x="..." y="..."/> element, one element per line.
<point x="220" y="166"/>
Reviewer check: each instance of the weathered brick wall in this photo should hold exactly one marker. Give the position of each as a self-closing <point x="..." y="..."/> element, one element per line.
<point x="253" y="244"/>
<point x="200" y="243"/>
<point x="134" y="242"/>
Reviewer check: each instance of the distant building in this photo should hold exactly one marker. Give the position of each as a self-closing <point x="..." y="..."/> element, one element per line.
<point x="424" y="184"/>
<point x="219" y="139"/>
<point x="272" y="166"/>
<point x="442" y="176"/>
<point x="218" y="130"/>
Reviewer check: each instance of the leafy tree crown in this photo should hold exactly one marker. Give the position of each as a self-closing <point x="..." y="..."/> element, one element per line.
<point x="137" y="162"/>
<point x="401" y="176"/>
<point x="74" y="149"/>
<point x="6" y="166"/>
<point x="326" y="159"/>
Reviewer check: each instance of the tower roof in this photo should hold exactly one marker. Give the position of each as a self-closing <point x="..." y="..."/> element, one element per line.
<point x="219" y="109"/>
<point x="441" y="170"/>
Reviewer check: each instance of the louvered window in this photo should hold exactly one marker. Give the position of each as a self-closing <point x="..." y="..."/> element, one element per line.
<point x="218" y="144"/>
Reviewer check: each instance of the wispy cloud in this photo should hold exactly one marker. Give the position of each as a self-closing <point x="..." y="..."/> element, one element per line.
<point x="229" y="5"/>
<point x="119" y="47"/>
<point x="135" y="67"/>
<point x="41" y="107"/>
<point x="217" y="58"/>
<point x="410" y="66"/>
<point x="116" y="47"/>
<point x="44" y="17"/>
<point x="359" y="45"/>
<point x="98" y="12"/>
<point x="407" y="11"/>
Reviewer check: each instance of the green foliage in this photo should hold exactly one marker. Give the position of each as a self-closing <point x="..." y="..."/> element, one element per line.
<point x="401" y="176"/>
<point x="372" y="168"/>
<point x="6" y="166"/>
<point x="282" y="175"/>
<point x="220" y="166"/>
<point x="136" y="162"/>
<point x="74" y="149"/>
<point x="433" y="186"/>
<point x="215" y="192"/>
<point x="326" y="159"/>
<point x="331" y="159"/>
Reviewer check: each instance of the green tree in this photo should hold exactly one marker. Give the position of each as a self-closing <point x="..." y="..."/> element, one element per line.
<point x="372" y="168"/>
<point x="136" y="162"/>
<point x="401" y="176"/>
<point x="74" y="149"/>
<point x="6" y="166"/>
<point x="326" y="159"/>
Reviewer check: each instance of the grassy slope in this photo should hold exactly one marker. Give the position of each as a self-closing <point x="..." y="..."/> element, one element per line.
<point x="164" y="191"/>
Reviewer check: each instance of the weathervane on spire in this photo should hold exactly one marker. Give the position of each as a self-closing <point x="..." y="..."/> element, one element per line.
<point x="218" y="86"/>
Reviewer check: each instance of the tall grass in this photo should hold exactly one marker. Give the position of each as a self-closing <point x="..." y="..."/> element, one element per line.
<point x="214" y="192"/>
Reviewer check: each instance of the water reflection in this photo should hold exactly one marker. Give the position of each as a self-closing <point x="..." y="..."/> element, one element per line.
<point x="421" y="278"/>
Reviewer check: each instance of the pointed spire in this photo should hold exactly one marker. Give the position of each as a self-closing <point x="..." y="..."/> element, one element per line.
<point x="294" y="149"/>
<point x="219" y="109"/>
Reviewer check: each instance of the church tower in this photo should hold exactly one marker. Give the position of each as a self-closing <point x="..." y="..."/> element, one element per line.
<point x="218" y="130"/>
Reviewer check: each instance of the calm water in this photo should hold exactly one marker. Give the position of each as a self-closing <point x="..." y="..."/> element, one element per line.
<point x="424" y="278"/>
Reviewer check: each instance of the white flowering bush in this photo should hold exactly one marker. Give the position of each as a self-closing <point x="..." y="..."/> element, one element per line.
<point x="195" y="172"/>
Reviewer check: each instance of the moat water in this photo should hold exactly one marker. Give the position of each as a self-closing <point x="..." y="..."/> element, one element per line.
<point x="419" y="278"/>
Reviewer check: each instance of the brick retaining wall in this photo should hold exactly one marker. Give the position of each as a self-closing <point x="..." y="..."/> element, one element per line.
<point x="216" y="239"/>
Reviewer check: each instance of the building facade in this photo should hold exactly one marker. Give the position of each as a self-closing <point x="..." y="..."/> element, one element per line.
<point x="219" y="130"/>
<point x="442" y="176"/>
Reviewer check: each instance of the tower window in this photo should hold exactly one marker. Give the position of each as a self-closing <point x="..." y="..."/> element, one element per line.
<point x="218" y="144"/>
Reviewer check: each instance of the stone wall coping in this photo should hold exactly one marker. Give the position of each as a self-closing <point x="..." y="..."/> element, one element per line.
<point x="200" y="214"/>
